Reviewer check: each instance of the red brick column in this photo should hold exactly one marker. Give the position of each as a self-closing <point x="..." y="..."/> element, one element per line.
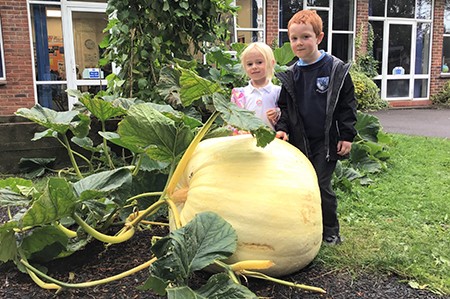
<point x="271" y="21"/>
<point x="362" y="23"/>
<point x="437" y="82"/>
<point x="18" y="91"/>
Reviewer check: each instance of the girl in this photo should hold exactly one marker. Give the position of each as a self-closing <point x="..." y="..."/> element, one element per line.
<point x="260" y="95"/>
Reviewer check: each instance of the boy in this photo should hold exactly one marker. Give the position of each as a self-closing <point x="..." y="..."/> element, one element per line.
<point x="318" y="110"/>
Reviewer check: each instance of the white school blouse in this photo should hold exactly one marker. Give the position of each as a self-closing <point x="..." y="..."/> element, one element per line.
<point x="258" y="100"/>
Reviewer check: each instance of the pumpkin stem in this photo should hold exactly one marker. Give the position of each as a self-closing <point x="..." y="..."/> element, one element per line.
<point x="188" y="153"/>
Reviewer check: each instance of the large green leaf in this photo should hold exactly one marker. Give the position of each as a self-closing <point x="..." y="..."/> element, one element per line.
<point x="147" y="130"/>
<point x="44" y="243"/>
<point x="193" y="247"/>
<point x="56" y="202"/>
<point x="8" y="247"/>
<point x="59" y="122"/>
<point x="243" y="119"/>
<point x="100" y="108"/>
<point x="368" y="126"/>
<point x="283" y="55"/>
<point x="220" y="286"/>
<point x="103" y="182"/>
<point x="193" y="87"/>
<point x="12" y="198"/>
<point x="14" y="183"/>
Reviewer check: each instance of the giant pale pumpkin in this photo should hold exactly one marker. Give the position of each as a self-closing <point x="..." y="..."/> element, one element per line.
<point x="269" y="195"/>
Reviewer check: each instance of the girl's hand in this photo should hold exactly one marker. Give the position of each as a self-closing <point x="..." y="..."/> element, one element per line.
<point x="282" y="135"/>
<point x="273" y="115"/>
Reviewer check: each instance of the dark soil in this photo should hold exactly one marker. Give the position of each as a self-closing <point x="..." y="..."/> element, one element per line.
<point x="96" y="262"/>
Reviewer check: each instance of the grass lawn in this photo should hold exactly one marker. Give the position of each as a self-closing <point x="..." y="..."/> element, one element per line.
<point x="401" y="222"/>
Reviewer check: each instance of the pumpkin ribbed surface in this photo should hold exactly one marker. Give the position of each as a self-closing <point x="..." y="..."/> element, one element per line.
<point x="269" y="195"/>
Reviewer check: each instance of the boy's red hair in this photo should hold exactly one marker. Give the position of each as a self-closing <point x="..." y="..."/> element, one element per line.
<point x="307" y="16"/>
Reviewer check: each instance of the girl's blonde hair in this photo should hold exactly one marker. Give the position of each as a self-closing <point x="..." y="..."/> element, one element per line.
<point x="266" y="52"/>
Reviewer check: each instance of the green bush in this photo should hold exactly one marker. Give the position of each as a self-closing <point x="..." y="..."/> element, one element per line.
<point x="366" y="92"/>
<point x="442" y="97"/>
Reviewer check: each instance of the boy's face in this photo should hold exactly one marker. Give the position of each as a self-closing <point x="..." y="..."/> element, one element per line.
<point x="304" y="42"/>
<point x="255" y="66"/>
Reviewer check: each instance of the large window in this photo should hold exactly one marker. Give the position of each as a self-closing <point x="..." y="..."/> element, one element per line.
<point x="402" y="46"/>
<point x="49" y="54"/>
<point x="446" y="44"/>
<point x="250" y="21"/>
<point x="338" y="23"/>
<point x="2" y="57"/>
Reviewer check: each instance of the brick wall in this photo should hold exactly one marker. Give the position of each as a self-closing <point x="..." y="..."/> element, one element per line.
<point x="18" y="91"/>
<point x="362" y="20"/>
<point x="437" y="82"/>
<point x="271" y="21"/>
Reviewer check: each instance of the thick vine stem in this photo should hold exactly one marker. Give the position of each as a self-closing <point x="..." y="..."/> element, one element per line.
<point x="124" y="235"/>
<point x="69" y="233"/>
<point x="72" y="158"/>
<point x="283" y="282"/>
<point x="42" y="284"/>
<point x="89" y="283"/>
<point x="229" y="271"/>
<point x="188" y="154"/>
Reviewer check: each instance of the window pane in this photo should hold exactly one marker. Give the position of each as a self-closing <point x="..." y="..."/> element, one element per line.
<point x="88" y="33"/>
<point x="397" y="88"/>
<point x="321" y="3"/>
<point x="447" y="17"/>
<point x="245" y="36"/>
<point x="399" y="47"/>
<point x="287" y="10"/>
<point x="342" y="46"/>
<point x="343" y="15"/>
<point x="400" y="9"/>
<point x="376" y="8"/>
<point x="53" y="96"/>
<point x="283" y="37"/>
<point x="423" y="41"/>
<point x="324" y="15"/>
<point x="250" y="14"/>
<point x="446" y="54"/>
<point x="424" y="9"/>
<point x="421" y="88"/>
<point x="48" y="42"/>
<point x="1" y="64"/>
<point x="378" y="43"/>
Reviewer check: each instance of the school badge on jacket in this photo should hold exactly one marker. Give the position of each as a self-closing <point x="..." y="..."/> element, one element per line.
<point x="322" y="84"/>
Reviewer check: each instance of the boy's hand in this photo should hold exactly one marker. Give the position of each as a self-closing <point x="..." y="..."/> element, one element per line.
<point x="273" y="115"/>
<point x="344" y="148"/>
<point x="282" y="135"/>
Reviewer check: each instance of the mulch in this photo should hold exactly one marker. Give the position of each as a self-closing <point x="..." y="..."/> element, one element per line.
<point x="97" y="261"/>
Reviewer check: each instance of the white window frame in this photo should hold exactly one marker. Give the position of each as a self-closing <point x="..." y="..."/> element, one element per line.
<point x="331" y="31"/>
<point x="263" y="29"/>
<point x="385" y="73"/>
<point x="445" y="35"/>
<point x="2" y="52"/>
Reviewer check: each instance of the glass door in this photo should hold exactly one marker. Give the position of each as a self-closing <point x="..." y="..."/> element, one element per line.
<point x="399" y="60"/>
<point x="85" y="25"/>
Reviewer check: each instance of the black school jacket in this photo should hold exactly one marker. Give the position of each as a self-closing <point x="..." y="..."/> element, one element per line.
<point x="340" y="111"/>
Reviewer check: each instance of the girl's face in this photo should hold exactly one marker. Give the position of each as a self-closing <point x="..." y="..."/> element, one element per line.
<point x="255" y="66"/>
<point x="304" y="42"/>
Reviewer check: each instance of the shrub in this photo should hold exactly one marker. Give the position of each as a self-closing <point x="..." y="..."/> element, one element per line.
<point x="366" y="92"/>
<point x="442" y="97"/>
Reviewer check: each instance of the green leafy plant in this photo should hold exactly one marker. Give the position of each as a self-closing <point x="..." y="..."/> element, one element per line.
<point x="442" y="98"/>
<point x="369" y="154"/>
<point x="367" y="92"/>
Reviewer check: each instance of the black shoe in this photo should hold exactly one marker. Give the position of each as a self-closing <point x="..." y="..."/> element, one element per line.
<point x="332" y="240"/>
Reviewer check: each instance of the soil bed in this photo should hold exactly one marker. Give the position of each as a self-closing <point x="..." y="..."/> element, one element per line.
<point x="96" y="262"/>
